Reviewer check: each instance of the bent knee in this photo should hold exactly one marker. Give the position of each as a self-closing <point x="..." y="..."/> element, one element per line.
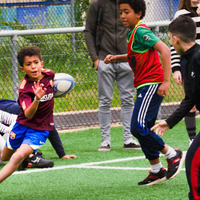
<point x="6" y="154"/>
<point x="17" y="158"/>
<point x="4" y="157"/>
<point x="137" y="130"/>
<point x="134" y="131"/>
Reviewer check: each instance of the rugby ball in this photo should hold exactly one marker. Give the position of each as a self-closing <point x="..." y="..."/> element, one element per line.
<point x="62" y="84"/>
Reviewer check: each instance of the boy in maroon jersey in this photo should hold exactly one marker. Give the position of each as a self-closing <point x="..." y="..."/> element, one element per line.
<point x="36" y="99"/>
<point x="151" y="79"/>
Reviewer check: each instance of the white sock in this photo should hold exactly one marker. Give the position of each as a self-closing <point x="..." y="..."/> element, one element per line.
<point x="156" y="168"/>
<point x="170" y="153"/>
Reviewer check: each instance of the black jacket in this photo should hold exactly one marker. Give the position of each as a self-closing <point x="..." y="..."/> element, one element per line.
<point x="191" y="85"/>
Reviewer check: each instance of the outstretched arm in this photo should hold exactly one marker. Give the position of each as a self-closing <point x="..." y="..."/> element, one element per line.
<point x="160" y="128"/>
<point x="117" y="58"/>
<point x="56" y="142"/>
<point x="39" y="93"/>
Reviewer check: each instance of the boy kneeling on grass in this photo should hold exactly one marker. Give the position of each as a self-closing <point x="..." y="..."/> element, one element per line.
<point x="182" y="36"/>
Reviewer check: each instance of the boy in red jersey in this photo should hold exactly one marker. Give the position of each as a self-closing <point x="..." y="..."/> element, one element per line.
<point x="36" y="99"/>
<point x="152" y="82"/>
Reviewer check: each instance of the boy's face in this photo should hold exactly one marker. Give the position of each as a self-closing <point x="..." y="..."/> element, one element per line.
<point x="32" y="67"/>
<point x="128" y="17"/>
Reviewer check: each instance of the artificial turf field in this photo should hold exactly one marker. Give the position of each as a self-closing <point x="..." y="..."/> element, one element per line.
<point x="97" y="175"/>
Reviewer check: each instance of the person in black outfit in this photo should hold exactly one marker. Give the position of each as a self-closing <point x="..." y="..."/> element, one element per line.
<point x="182" y="32"/>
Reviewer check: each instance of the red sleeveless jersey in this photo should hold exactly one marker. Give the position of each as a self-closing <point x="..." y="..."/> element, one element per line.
<point x="145" y="64"/>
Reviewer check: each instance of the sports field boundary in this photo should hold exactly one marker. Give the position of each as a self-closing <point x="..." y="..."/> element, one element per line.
<point x="89" y="118"/>
<point x="91" y="165"/>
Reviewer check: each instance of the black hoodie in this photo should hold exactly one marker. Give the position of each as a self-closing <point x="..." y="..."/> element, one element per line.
<point x="191" y="85"/>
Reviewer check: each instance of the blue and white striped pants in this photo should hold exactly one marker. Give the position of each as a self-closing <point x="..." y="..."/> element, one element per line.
<point x="145" y="112"/>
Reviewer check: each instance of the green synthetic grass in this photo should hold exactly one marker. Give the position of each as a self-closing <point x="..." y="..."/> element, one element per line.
<point x="97" y="183"/>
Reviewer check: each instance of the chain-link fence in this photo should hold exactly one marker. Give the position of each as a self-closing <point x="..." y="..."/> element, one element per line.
<point x="160" y="10"/>
<point x="67" y="52"/>
<point x="35" y="14"/>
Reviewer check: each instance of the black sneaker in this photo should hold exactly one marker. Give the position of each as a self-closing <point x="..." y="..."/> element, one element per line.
<point x="24" y="164"/>
<point x="104" y="148"/>
<point x="132" y="145"/>
<point x="154" y="178"/>
<point x="175" y="164"/>
<point x="37" y="161"/>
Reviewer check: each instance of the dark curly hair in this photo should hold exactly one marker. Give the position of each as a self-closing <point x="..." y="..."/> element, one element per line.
<point x="136" y="5"/>
<point x="28" y="51"/>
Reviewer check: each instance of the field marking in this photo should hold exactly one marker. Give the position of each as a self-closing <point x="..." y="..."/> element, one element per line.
<point x="90" y="165"/>
<point x="82" y="165"/>
<point x="113" y="161"/>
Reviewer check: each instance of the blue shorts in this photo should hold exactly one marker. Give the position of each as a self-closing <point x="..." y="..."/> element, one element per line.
<point x="21" y="134"/>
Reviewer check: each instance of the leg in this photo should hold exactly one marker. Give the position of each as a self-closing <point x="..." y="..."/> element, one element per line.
<point x="126" y="90"/>
<point x="15" y="160"/>
<point x="144" y="116"/>
<point x="106" y="77"/>
<point x="192" y="164"/>
<point x="190" y="123"/>
<point x="145" y="112"/>
<point x="36" y="161"/>
<point x="154" y="177"/>
<point x="6" y="153"/>
<point x="190" y="120"/>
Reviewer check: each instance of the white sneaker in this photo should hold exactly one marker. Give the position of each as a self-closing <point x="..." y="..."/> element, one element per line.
<point x="135" y="142"/>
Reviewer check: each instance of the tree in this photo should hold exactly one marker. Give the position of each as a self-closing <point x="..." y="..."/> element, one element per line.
<point x="80" y="7"/>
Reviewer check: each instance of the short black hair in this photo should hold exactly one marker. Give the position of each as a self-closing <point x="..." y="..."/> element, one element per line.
<point x="183" y="27"/>
<point x="136" y="5"/>
<point x="28" y="51"/>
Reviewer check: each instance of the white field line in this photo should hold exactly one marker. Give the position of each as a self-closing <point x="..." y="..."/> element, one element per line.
<point x="90" y="166"/>
<point x="113" y="161"/>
